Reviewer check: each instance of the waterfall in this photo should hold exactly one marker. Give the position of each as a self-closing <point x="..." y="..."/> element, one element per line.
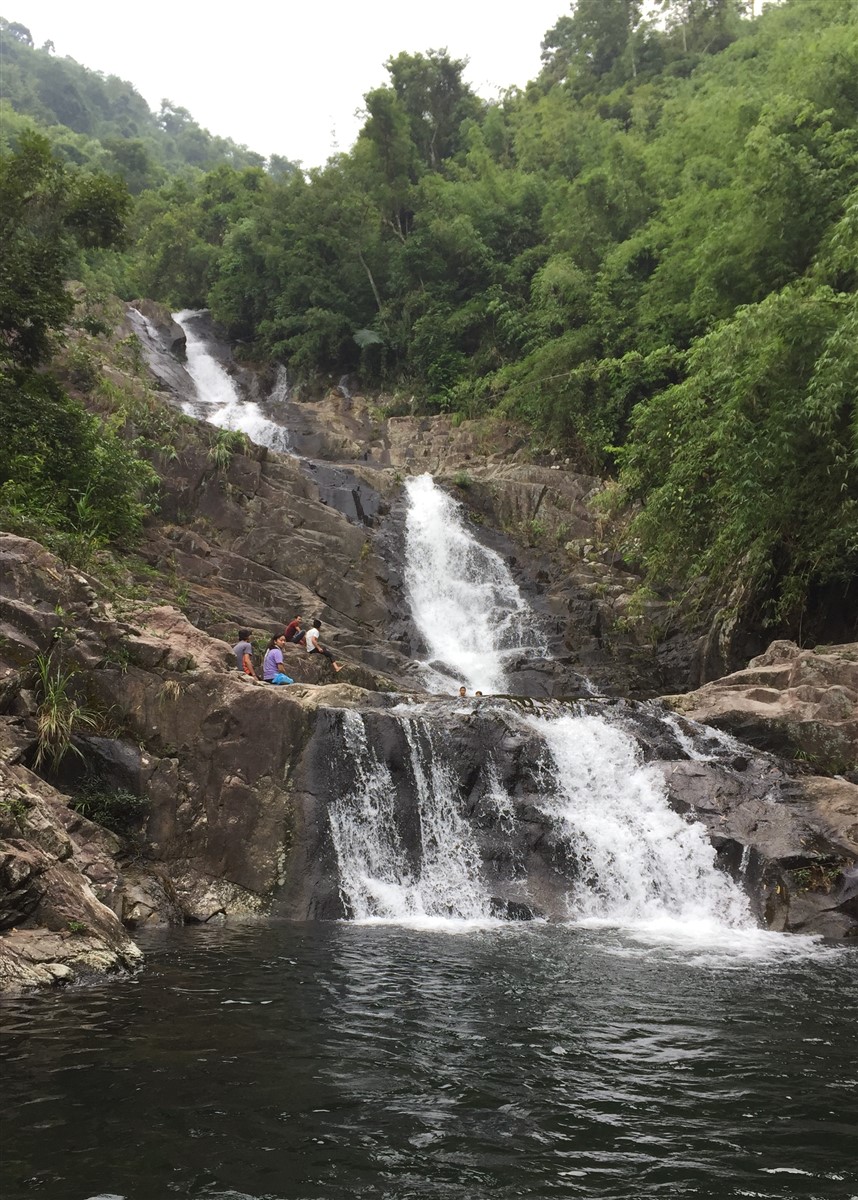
<point x="622" y="855"/>
<point x="637" y="860"/>
<point x="628" y="859"/>
<point x="464" y="602"/>
<point x="377" y="878"/>
<point x="218" y="399"/>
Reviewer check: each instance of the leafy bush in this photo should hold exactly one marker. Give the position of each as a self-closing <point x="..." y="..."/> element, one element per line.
<point x="64" y="469"/>
<point x="749" y="468"/>
<point x="226" y="443"/>
<point x="115" y="808"/>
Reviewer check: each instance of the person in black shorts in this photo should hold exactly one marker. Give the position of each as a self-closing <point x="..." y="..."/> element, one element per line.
<point x="314" y="646"/>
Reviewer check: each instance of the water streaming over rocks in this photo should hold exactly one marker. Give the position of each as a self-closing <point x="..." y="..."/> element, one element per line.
<point x="470" y="613"/>
<point x="580" y="828"/>
<point x="378" y="879"/>
<point x="218" y="399"/>
<point x="638" y="859"/>
<point x="416" y="848"/>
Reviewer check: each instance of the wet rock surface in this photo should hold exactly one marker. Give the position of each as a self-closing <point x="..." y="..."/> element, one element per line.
<point x="236" y="777"/>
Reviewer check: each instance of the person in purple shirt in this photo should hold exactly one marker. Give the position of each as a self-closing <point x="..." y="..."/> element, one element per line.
<point x="272" y="663"/>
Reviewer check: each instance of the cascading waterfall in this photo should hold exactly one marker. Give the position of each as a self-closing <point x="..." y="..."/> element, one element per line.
<point x="469" y="611"/>
<point x="633" y="861"/>
<point x="377" y="879"/>
<point x="638" y="860"/>
<point x="218" y="399"/>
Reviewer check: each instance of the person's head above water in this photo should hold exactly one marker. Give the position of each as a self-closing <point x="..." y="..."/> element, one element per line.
<point x="463" y="691"/>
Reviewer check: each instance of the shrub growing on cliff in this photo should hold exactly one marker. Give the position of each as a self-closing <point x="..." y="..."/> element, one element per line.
<point x="65" y="475"/>
<point x="63" y="472"/>
<point x="49" y="213"/>
<point x="749" y="468"/>
<point x="59" y="715"/>
<point x="115" y="808"/>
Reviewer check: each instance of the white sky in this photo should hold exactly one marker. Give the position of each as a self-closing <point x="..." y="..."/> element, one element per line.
<point x="280" y="76"/>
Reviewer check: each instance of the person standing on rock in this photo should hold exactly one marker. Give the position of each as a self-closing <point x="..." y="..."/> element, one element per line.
<point x="243" y="652"/>
<point x="293" y="631"/>
<point x="272" y="663"/>
<point x="314" y="646"/>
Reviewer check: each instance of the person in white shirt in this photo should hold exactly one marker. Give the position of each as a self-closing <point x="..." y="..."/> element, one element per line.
<point x="314" y="646"/>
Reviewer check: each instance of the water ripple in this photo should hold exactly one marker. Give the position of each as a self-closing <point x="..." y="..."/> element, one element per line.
<point x="298" y="1063"/>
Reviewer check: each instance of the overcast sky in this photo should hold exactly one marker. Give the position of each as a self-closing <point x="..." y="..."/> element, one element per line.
<point x="284" y="77"/>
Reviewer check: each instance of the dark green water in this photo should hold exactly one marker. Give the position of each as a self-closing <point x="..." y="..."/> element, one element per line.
<point x="332" y="1061"/>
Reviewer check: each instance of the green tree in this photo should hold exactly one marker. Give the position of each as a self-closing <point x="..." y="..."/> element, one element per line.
<point x="748" y="469"/>
<point x="61" y="468"/>
<point x="47" y="213"/>
<point x="591" y="41"/>
<point x="438" y="102"/>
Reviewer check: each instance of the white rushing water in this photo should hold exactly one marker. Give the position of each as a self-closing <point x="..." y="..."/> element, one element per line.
<point x="643" y="874"/>
<point x="218" y="399"/>
<point x="466" y="605"/>
<point x="377" y="878"/>
<point x="639" y="861"/>
<point x="638" y="864"/>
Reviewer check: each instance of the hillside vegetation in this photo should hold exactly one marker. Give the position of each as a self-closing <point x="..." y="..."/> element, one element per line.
<point x="650" y="254"/>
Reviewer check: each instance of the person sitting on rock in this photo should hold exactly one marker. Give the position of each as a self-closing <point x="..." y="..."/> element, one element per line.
<point x="273" y="660"/>
<point x="293" y="631"/>
<point x="243" y="652"/>
<point x="314" y="646"/>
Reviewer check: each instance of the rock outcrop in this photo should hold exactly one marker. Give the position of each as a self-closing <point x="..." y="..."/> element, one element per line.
<point x="799" y="703"/>
<point x="59" y="885"/>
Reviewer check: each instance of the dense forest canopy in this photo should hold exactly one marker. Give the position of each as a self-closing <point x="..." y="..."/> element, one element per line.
<point x="650" y="254"/>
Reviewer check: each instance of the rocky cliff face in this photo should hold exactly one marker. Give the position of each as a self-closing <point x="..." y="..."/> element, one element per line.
<point x="799" y="703"/>
<point x="238" y="778"/>
<point x="234" y="780"/>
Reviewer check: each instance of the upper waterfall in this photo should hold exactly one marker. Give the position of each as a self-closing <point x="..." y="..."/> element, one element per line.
<point x="464" y="601"/>
<point x="219" y="400"/>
